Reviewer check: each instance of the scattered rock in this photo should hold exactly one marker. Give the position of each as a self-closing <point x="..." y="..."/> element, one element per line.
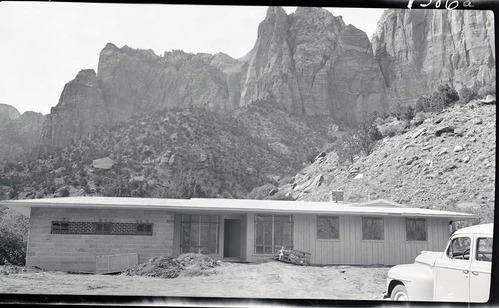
<point x="449" y="167"/>
<point x="320" y="155"/>
<point x="466" y="159"/>
<point x="458" y="148"/>
<point x="419" y="132"/>
<point x="359" y="176"/>
<point x="444" y="130"/>
<point x="443" y="151"/>
<point x="489" y="100"/>
<point x="273" y="191"/>
<point x="354" y="170"/>
<point x="105" y="163"/>
<point x="477" y="121"/>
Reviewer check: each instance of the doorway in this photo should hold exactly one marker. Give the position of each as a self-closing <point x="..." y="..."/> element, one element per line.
<point x="232" y="238"/>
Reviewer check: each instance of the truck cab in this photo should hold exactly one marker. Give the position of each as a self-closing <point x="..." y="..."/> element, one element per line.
<point x="461" y="273"/>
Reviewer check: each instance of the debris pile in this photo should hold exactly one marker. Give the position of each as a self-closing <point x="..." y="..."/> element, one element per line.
<point x="293" y="256"/>
<point x="168" y="267"/>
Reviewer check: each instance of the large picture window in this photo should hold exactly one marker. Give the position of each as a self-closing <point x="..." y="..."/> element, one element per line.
<point x="416" y="229"/>
<point x="373" y="228"/>
<point x="328" y="227"/>
<point x="272" y="232"/>
<point x="199" y="234"/>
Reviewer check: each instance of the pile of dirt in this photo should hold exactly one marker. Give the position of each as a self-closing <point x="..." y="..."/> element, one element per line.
<point x="168" y="267"/>
<point x="8" y="269"/>
<point x="197" y="261"/>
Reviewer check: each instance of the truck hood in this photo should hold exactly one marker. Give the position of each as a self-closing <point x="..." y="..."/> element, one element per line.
<point x="428" y="257"/>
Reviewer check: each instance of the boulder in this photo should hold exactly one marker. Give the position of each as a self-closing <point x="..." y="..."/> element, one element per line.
<point x="105" y="163"/>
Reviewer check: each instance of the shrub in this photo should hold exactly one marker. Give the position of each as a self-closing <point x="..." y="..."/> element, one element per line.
<point x="467" y="94"/>
<point x="64" y="192"/>
<point x="444" y="97"/>
<point x="12" y="248"/>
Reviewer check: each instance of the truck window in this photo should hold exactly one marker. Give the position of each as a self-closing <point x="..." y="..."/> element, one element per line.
<point x="484" y="249"/>
<point x="459" y="248"/>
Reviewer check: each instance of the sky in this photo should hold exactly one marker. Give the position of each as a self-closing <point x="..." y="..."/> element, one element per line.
<point x="43" y="45"/>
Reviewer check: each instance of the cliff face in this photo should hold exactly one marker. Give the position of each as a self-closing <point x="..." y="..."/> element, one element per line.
<point x="310" y="62"/>
<point x="19" y="133"/>
<point x="81" y="107"/>
<point x="138" y="81"/>
<point x="418" y="50"/>
<point x="8" y="112"/>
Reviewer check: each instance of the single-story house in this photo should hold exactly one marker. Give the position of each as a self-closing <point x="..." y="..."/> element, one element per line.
<point x="69" y="233"/>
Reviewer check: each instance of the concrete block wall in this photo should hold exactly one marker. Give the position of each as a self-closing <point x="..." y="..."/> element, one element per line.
<point x="76" y="252"/>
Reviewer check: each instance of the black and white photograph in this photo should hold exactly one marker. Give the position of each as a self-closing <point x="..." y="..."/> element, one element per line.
<point x="188" y="151"/>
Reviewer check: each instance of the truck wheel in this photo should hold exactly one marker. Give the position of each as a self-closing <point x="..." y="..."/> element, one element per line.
<point x="399" y="293"/>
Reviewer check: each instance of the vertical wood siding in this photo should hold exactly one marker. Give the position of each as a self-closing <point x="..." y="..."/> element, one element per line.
<point x="351" y="249"/>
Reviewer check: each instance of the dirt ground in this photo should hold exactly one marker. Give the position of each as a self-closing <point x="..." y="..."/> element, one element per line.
<point x="271" y="279"/>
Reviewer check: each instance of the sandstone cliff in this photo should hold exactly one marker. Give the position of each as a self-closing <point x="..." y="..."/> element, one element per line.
<point x="81" y="107"/>
<point x="310" y="62"/>
<point x="418" y="50"/>
<point x="19" y="133"/>
<point x="8" y="112"/>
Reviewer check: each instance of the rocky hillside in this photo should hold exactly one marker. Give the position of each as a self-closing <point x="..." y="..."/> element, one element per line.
<point x="418" y="50"/>
<point x="18" y="133"/>
<point x="178" y="153"/>
<point x="446" y="161"/>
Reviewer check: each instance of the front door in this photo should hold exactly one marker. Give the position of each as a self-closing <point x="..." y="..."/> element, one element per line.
<point x="232" y="238"/>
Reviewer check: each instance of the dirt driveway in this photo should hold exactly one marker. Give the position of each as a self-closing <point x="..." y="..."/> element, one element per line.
<point x="266" y="280"/>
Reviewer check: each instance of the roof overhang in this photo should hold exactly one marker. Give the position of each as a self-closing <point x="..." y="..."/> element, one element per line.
<point x="232" y="206"/>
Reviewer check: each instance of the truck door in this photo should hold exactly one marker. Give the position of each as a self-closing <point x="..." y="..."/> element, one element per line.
<point x="452" y="272"/>
<point x="481" y="266"/>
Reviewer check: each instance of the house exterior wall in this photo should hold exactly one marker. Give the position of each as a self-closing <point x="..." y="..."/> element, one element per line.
<point x="350" y="248"/>
<point x="77" y="252"/>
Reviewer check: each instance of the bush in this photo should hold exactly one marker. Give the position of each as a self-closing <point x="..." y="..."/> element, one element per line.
<point x="12" y="248"/>
<point x="64" y="192"/>
<point x="467" y="94"/>
<point x="444" y="97"/>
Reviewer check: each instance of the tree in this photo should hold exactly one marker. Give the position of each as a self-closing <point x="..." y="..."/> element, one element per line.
<point x="358" y="140"/>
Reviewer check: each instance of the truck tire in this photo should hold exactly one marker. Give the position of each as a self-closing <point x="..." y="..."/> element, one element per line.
<point x="399" y="293"/>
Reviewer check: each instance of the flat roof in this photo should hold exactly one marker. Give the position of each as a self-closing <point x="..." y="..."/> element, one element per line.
<point x="378" y="207"/>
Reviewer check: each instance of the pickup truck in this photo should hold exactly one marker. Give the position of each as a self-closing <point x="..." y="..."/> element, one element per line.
<point x="459" y="274"/>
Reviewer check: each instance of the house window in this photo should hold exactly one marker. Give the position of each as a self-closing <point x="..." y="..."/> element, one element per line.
<point x="416" y="229"/>
<point x="103" y="228"/>
<point x="272" y="232"/>
<point x="373" y="228"/>
<point x="60" y="227"/>
<point x="199" y="234"/>
<point x="328" y="227"/>
<point x="144" y="229"/>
